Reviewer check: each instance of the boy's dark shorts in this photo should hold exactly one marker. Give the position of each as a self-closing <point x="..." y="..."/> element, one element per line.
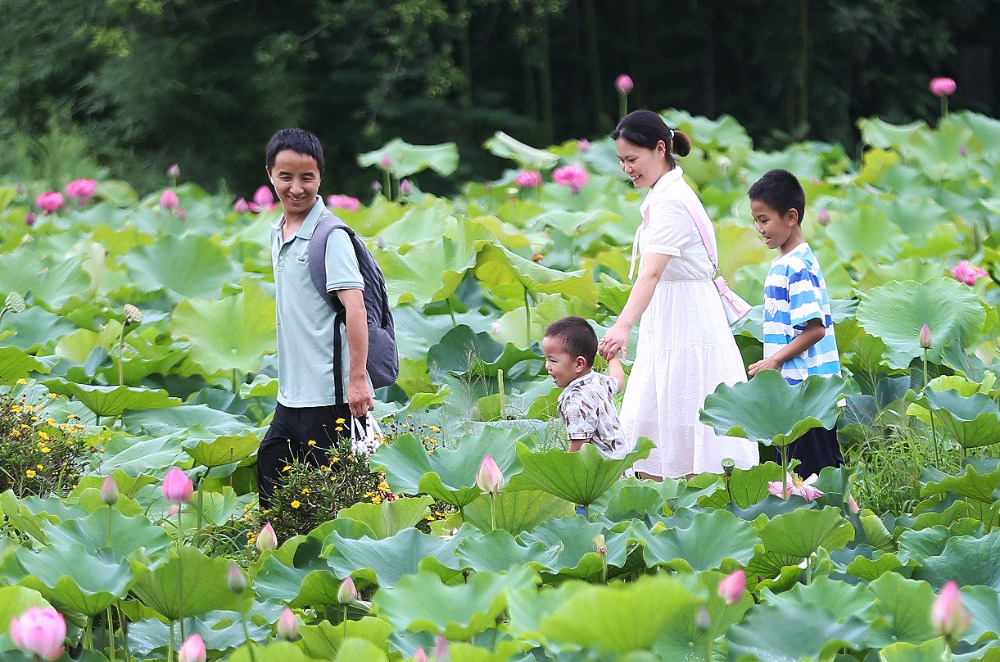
<point x="814" y="450"/>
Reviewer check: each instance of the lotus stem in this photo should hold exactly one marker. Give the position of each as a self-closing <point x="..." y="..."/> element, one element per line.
<point x="121" y="355"/>
<point x="170" y="644"/>
<point x="451" y="311"/>
<point x="180" y="572"/>
<point x="110" y="508"/>
<point x="109" y="628"/>
<point x="527" y="319"/>
<point x="784" y="472"/>
<point x="201" y="503"/>
<point x="503" y="396"/>
<point x="937" y="460"/>
<point x="493" y="512"/>
<point x="2" y="313"/>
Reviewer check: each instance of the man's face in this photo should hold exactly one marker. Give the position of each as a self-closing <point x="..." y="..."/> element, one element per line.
<point x="296" y="180"/>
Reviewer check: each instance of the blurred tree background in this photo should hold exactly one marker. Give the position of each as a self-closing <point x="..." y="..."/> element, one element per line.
<point x="128" y="87"/>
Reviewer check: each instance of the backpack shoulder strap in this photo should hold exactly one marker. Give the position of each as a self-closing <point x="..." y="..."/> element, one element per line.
<point x="326" y="224"/>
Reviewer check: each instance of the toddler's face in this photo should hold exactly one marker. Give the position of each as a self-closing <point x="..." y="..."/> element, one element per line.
<point x="558" y="363"/>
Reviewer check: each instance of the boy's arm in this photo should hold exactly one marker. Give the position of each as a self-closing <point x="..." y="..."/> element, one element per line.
<point x="811" y="335"/>
<point x="616" y="370"/>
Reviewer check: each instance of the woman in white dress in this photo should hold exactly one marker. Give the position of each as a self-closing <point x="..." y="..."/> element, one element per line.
<point x="685" y="347"/>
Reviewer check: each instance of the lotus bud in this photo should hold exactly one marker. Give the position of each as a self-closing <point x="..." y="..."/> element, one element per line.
<point x="495" y="328"/>
<point x="489" y="479"/>
<point x="441" y="652"/>
<point x="235" y="579"/>
<point x="50" y="201"/>
<point x="14" y="302"/>
<point x="963" y="150"/>
<point x="703" y="620"/>
<point x="420" y="656"/>
<point x="192" y="650"/>
<point x="267" y="539"/>
<point x="177" y="487"/>
<point x="599" y="546"/>
<point x="376" y="186"/>
<point x="405" y="187"/>
<point x="823" y="217"/>
<point x="347" y="594"/>
<point x="942" y="87"/>
<point x="926" y="342"/>
<point x="30" y="218"/>
<point x="948" y="616"/>
<point x="288" y="625"/>
<point x="174" y="171"/>
<point x="38" y="631"/>
<point x="109" y="491"/>
<point x="624" y="84"/>
<point x="169" y="199"/>
<point x="583" y="145"/>
<point x="132" y="314"/>
<point x="385" y="161"/>
<point x="173" y="510"/>
<point x="180" y="213"/>
<point x="731" y="588"/>
<point x="241" y="206"/>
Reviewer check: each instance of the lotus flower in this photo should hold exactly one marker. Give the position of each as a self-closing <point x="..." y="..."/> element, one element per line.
<point x="967" y="273"/>
<point x="40" y="632"/>
<point x="347" y="594"/>
<point x="81" y="190"/>
<point x="823" y="217"/>
<point x="109" y="491"/>
<point x="796" y="485"/>
<point x="441" y="652"/>
<point x="192" y="650"/>
<point x="169" y="199"/>
<point x="925" y="340"/>
<point x="376" y="186"/>
<point x="574" y="177"/>
<point x="241" y="206"/>
<point x="235" y="579"/>
<point x="942" y="87"/>
<point x="948" y="616"/>
<point x="263" y="200"/>
<point x="177" y="487"/>
<point x="583" y="145"/>
<point x="50" y="201"/>
<point x="180" y="213"/>
<point x="528" y="179"/>
<point x="731" y="588"/>
<point x="489" y="479"/>
<point x="267" y="539"/>
<point x="174" y="171"/>
<point x="420" y="656"/>
<point x="30" y="218"/>
<point x="405" y="187"/>
<point x="288" y="625"/>
<point x="624" y="84"/>
<point x="343" y="202"/>
<point x="385" y="161"/>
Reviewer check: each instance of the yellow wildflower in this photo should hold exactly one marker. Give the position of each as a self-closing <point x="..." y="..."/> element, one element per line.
<point x="50" y="421"/>
<point x="30" y="473"/>
<point x="295" y="504"/>
<point x="286" y="468"/>
<point x="53" y="396"/>
<point x="22" y="381"/>
<point x="39" y="466"/>
<point x="376" y="499"/>
<point x="384" y="486"/>
<point x="45" y="449"/>
<point x="305" y="490"/>
<point x="339" y="428"/>
<point x="15" y="433"/>
<point x="44" y="436"/>
<point x="311" y="442"/>
<point x="340" y="421"/>
<point x="335" y="459"/>
<point x="15" y="409"/>
<point x="435" y="428"/>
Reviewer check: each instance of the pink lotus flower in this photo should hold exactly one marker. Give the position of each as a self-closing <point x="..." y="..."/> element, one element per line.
<point x="405" y="187"/>
<point x="241" y="206"/>
<point x="731" y="588"/>
<point x="441" y="652"/>
<point x="343" y="202"/>
<point x="192" y="650"/>
<point x="288" y="625"/>
<point x="169" y="199"/>
<point x="948" y="616"/>
<point x="40" y="632"/>
<point x="385" y="161"/>
<point x="267" y="539"/>
<point x="109" y="491"/>
<point x="50" y="201"/>
<point x="967" y="273"/>
<point x="796" y="485"/>
<point x="942" y="87"/>
<point x="177" y="487"/>
<point x="489" y="479"/>
<point x="81" y="190"/>
<point x="347" y="594"/>
<point x="823" y="217"/>
<point x="263" y="200"/>
<point x="583" y="145"/>
<point x="924" y="337"/>
<point x="180" y="213"/>
<point x="420" y="656"/>
<point x="528" y="179"/>
<point x="624" y="84"/>
<point x="574" y="177"/>
<point x="174" y="171"/>
<point x="235" y="579"/>
<point x="376" y="186"/>
<point x="30" y="218"/>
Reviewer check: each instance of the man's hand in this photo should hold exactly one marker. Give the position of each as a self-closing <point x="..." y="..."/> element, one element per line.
<point x="359" y="398"/>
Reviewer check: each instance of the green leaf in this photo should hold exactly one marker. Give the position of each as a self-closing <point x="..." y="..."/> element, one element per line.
<point x="770" y="411"/>
<point x="323" y="640"/>
<point x="973" y="420"/>
<point x="507" y="147"/>
<point x="513" y="277"/>
<point x="113" y="400"/>
<point x="190" y="583"/>
<point x="127" y="534"/>
<point x="465" y="352"/>
<point x="790" y="538"/>
<point x="14" y="601"/>
<point x="410" y="159"/>
<point x="187" y="266"/>
<point x="905" y="607"/>
<point x="388" y="518"/>
<point x="580" y="477"/>
<point x="516" y="511"/>
<point x="573" y="539"/>
<point x="841" y="599"/>
<point x="295" y="573"/>
<point x="968" y="560"/>
<point x="499" y="551"/>
<point x="16" y="364"/>
<point x="223" y="450"/>
<point x="708" y="541"/>
<point x="780" y="633"/>
<point x="386" y="562"/>
<point x="934" y="650"/>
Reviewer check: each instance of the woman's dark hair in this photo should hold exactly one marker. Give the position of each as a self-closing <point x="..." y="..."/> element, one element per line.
<point x="297" y="140"/>
<point x="646" y="128"/>
<point x="576" y="336"/>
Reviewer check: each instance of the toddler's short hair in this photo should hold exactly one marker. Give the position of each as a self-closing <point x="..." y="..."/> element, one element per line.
<point x="576" y="336"/>
<point x="780" y="190"/>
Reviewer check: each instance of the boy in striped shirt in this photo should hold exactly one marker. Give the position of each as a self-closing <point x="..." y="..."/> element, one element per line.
<point x="798" y="327"/>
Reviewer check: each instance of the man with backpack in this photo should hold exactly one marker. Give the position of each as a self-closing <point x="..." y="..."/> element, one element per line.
<point x="313" y="408"/>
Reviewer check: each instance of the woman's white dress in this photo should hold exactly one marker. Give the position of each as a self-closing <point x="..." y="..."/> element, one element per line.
<point x="685" y="346"/>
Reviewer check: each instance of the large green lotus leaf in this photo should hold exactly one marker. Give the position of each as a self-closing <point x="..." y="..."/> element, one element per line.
<point x="276" y="651"/>
<point x="137" y="455"/>
<point x="35" y="328"/>
<point x="423" y="603"/>
<point x="745" y="487"/>
<point x="925" y="543"/>
<point x="410" y="159"/>
<point x="360" y="649"/>
<point x="508" y="147"/>
<point x="973" y="420"/>
<point x="904" y="606"/>
<point x="770" y="411"/>
<point x="187" y="420"/>
<point x="634" y="502"/>
<point x="127" y="534"/>
<point x="446" y="474"/>
<point x="411" y="277"/>
<point x="581" y="477"/>
<point x="296" y="574"/>
<point x="499" y="551"/>
<point x="895" y="312"/>
<point x="201" y="578"/>
<point x="516" y="511"/>
<point x="800" y="159"/>
<point x="228" y="334"/>
<point x="28" y="515"/>
<point x="223" y="450"/>
<point x="870" y="569"/>
<point x="724" y="132"/>
<point x="323" y="640"/>
<point x="867" y="235"/>
<point x="385" y="562"/>
<point x="56" y="283"/>
<point x="878" y="133"/>
<point x="16" y="364"/>
<point x="708" y="541"/>
<point x="71" y="578"/>
<point x="632" y="616"/>
<point x="983" y="603"/>
<point x="915" y="214"/>
<point x="970" y="484"/>
<point x="934" y="650"/>
<point x="790" y="538"/>
<point x="938" y="154"/>
<point x="388" y="518"/>
<point x="513" y="277"/>
<point x="14" y="601"/>
<point x="465" y="352"/>
<point x="783" y="633"/>
<point x="968" y="560"/>
<point x="573" y="538"/>
<point x="188" y="266"/>
<point x="113" y="400"/>
<point x="841" y="599"/>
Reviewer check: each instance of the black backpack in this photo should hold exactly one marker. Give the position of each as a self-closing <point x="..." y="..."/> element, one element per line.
<point x="383" y="356"/>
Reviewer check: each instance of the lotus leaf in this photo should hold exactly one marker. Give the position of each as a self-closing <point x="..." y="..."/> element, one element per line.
<point x="15" y="364"/>
<point x="507" y="147"/>
<point x="37" y="327"/>
<point x="573" y="539"/>
<point x="386" y="562"/>
<point x="929" y="651"/>
<point x="790" y="538"/>
<point x="187" y="420"/>
<point x="785" y="633"/>
<point x="296" y="574"/>
<point x="973" y="420"/>
<point x="202" y="578"/>
<point x="710" y="541"/>
<point x="280" y="651"/>
<point x="113" y="400"/>
<point x="498" y="551"/>
<point x="968" y="560"/>
<point x="109" y="531"/>
<point x="14" y="601"/>
<point x="407" y="159"/>
<point x="904" y="608"/>
<point x="870" y="569"/>
<point x="56" y="283"/>
<point x="515" y="512"/>
<point x="29" y="514"/>
<point x="185" y="266"/>
<point x="223" y="450"/>
<point x="465" y="352"/>
<point x="514" y="278"/>
<point x="323" y="640"/>
<point x="388" y="518"/>
<point x="136" y="456"/>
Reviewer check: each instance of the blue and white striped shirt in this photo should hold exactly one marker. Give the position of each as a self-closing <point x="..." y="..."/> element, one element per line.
<point x="794" y="293"/>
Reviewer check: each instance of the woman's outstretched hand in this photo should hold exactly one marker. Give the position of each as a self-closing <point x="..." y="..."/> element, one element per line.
<point x="614" y="341"/>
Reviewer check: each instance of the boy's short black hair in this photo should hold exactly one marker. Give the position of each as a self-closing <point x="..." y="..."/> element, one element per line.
<point x="577" y="337"/>
<point x="297" y="140"/>
<point x="780" y="190"/>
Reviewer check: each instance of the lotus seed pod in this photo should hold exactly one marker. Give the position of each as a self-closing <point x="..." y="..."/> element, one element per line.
<point x="132" y="314"/>
<point x="14" y="303"/>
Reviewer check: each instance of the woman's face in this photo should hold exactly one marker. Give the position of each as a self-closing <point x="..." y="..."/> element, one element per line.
<point x="642" y="165"/>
